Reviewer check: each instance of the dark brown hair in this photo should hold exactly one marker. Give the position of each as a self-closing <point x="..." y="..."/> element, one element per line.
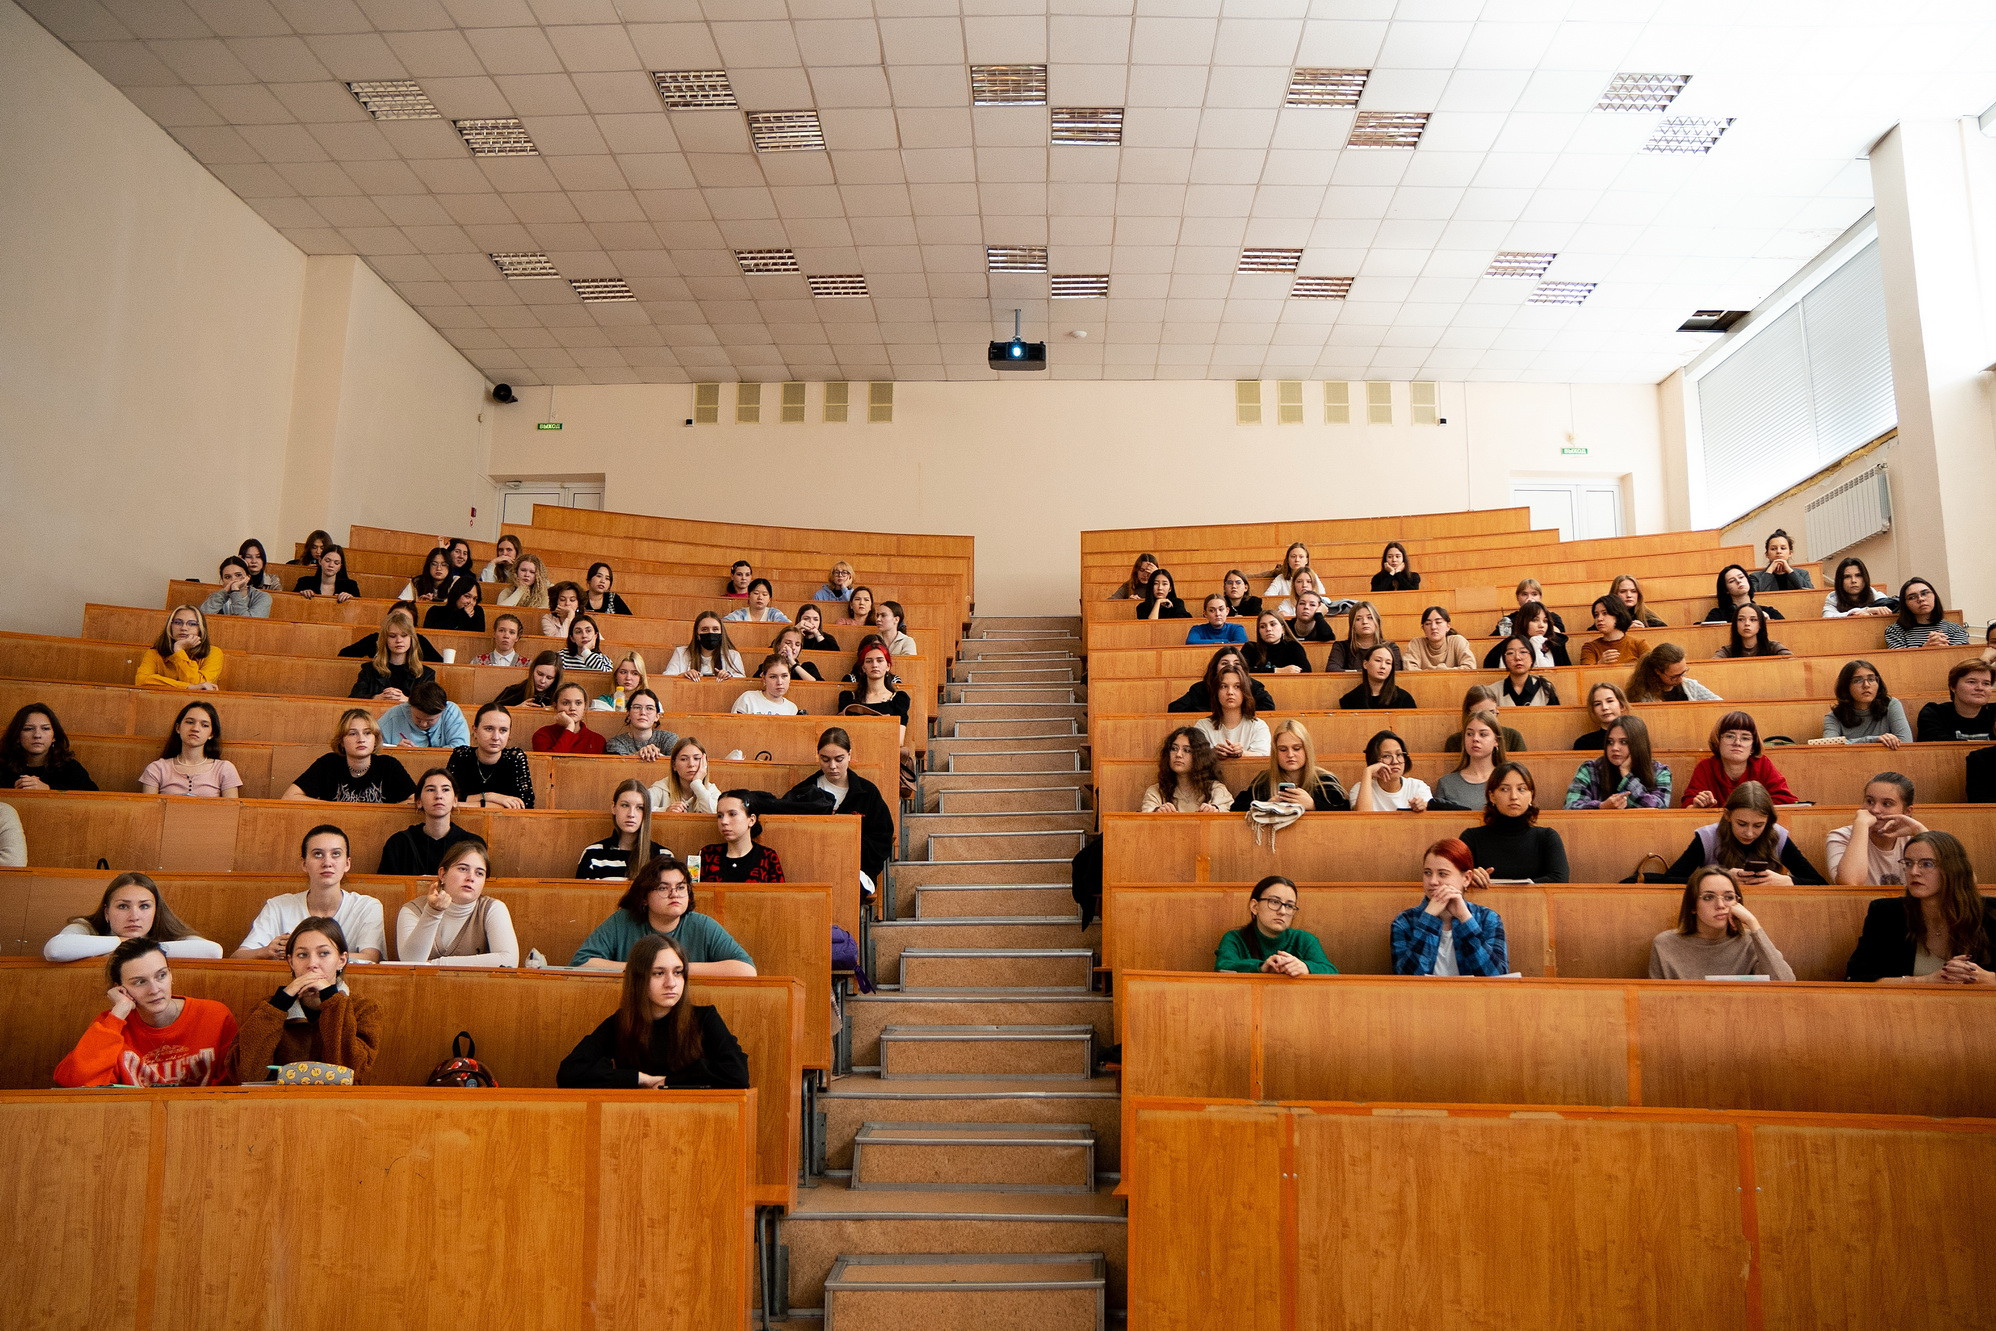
<point x="1960" y="904"/>
<point x="1687" y="908"/>
<point x="1205" y="764"/>
<point x="14" y="755"/>
<point x="649" y="877"/>
<point x="634" y="1019"/>
<point x="166" y="926"/>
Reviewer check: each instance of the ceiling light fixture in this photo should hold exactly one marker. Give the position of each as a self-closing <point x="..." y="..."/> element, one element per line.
<point x="1326" y="87"/>
<point x="786" y="131"/>
<point x="766" y="261"/>
<point x="694" y="89"/>
<point x="525" y="265"/>
<point x="503" y="136"/>
<point x="1388" y="129"/>
<point x="1269" y="261"/>
<point x="1686" y="135"/>
<point x="395" y="99"/>
<point x="1015" y="258"/>
<point x="838" y="286"/>
<point x="1008" y="85"/>
<point x="1321" y="288"/>
<point x="1711" y="321"/>
<point x="601" y="290"/>
<point x="1641" y="92"/>
<point x="1560" y="293"/>
<point x="1519" y="263"/>
<point x="1080" y="286"/>
<point x="1101" y="126"/>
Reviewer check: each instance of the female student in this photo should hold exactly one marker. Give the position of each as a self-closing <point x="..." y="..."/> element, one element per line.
<point x="685" y="788"/>
<point x="1852" y="596"/>
<point x="314" y="1018"/>
<point x="769" y="700"/>
<point x="1865" y="710"/>
<point x="35" y="754"/>
<point x="192" y="761"/>
<point x="148" y="1037"/>
<point x="1447" y="934"/>
<point x="758" y="610"/>
<point x="1625" y="776"/>
<point x="535" y="692"/>
<point x="1748" y="636"/>
<point x="838" y="584"/>
<point x="642" y="737"/>
<point x="740" y="574"/>
<point x="1533" y="624"/>
<point x="1133" y="586"/>
<point x="1188" y="776"/>
<point x="181" y="657"/>
<point x="657" y="1038"/>
<point x="888" y="619"/>
<point x="852" y="793"/>
<point x="326" y="857"/>
<point x="1530" y="592"/>
<point x="1269" y="943"/>
<point x="1509" y="843"/>
<point x="738" y="857"/>
<point x="1750" y="840"/>
<point x="810" y="623"/>
<point x="1199" y="697"/>
<point x="315" y="545"/>
<point x="354" y="772"/>
<point x="1612" y="621"/>
<point x="1781" y="575"/>
<point x="1940" y="930"/>
<point x="417" y="851"/>
<point x="1395" y="573"/>
<point x="1275" y="650"/>
<point x="488" y="771"/>
<point x="459" y="609"/>
<point x="1232" y="728"/>
<point x="1379" y="682"/>
<point x="564" y="604"/>
<point x="368" y="644"/>
<point x="874" y="688"/>
<point x="1716" y="935"/>
<point x="859" y="608"/>
<point x="458" y="551"/>
<point x="1967" y="713"/>
<point x="1733" y="590"/>
<point x="661" y="903"/>
<point x="1234" y="590"/>
<point x="1311" y="624"/>
<point x="789" y="645"/>
<point x="1282" y="577"/>
<point x="1385" y="783"/>
<point x="1736" y="757"/>
<point x="1522" y="688"/>
<point x="584" y="648"/>
<point x="331" y="578"/>
<point x="629" y="846"/>
<point x="1482" y="752"/>
<point x="1304" y="582"/>
<point x="237" y="596"/>
<point x="707" y="652"/>
<point x="1483" y="698"/>
<point x="457" y="924"/>
<point x="600" y="600"/>
<point x="1922" y="622"/>
<point x="397" y="667"/>
<point x="569" y="732"/>
<point x="429" y="585"/>
<point x="504" y="560"/>
<point x="1882" y="827"/>
<point x="131" y="907"/>
<point x="256" y="562"/>
<point x="1629" y="592"/>
<point x="1439" y="647"/>
<point x="1363" y="632"/>
<point x="1161" y="600"/>
<point x="1292" y="776"/>
<point x="625" y="680"/>
<point x="1663" y="675"/>
<point x="526" y="586"/>
<point x="1607" y="703"/>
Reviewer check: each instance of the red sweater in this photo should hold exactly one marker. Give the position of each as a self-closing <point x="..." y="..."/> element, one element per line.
<point x="1710" y="774"/>
<point x="199" y="1049"/>
<point x="558" y="738"/>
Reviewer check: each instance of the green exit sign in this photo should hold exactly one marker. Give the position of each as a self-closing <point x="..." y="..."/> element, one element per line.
<point x="1572" y="452"/>
<point x="556" y="425"/>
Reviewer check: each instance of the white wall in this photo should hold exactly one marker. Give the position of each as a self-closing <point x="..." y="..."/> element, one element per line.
<point x="1026" y="465"/>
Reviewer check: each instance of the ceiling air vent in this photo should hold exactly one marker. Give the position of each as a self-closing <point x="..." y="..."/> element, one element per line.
<point x="1711" y="321"/>
<point x="1080" y="286"/>
<point x="1641" y="92"/>
<point x="766" y="261"/>
<point x="1015" y="258"/>
<point x="1326" y="87"/>
<point x="1560" y="293"/>
<point x="838" y="285"/>
<point x="1008" y="85"/>
<point x="525" y="265"/>
<point x="1686" y="134"/>
<point x="1269" y="261"/>
<point x="1519" y="263"/>
<point x="1321" y="288"/>
<point x="1098" y="125"/>
<point x="502" y="137"/>
<point x="395" y="99"/>
<point x="601" y="290"/>
<point x="1387" y="129"/>
<point x="786" y="131"/>
<point x="694" y="89"/>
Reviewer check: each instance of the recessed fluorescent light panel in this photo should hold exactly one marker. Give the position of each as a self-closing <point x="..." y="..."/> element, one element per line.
<point x="395" y="99"/>
<point x="599" y="290"/>
<point x="786" y="131"/>
<point x="1387" y="129"/>
<point x="1269" y="261"/>
<point x="525" y="265"/>
<point x="766" y="261"/>
<point x="1098" y="125"/>
<point x="502" y="137"/>
<point x="694" y="89"/>
<point x="1015" y="258"/>
<point x="1321" y="288"/>
<point x="1686" y="135"/>
<point x="1641" y="92"/>
<point x="1080" y="286"/>
<point x="1326" y="87"/>
<point x="1519" y="263"/>
<point x="1008" y="85"/>
<point x="838" y="285"/>
<point x="1560" y="293"/>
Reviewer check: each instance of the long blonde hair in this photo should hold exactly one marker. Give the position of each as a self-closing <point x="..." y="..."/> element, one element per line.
<point x="537" y="598"/>
<point x="398" y="619"/>
<point x="1488" y="720"/>
<point x="674" y="792"/>
<point x="1310" y="778"/>
<point x="721" y="653"/>
<point x="1351" y="622"/>
<point x="635" y="658"/>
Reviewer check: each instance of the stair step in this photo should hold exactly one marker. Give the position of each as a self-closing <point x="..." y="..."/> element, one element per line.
<point x="1030" y="760"/>
<point x="1070" y="622"/>
<point x="919" y="829"/>
<point x="946" y="901"/>
<point x="949" y="713"/>
<point x="1041" y="1053"/>
<point x="1000" y="649"/>
<point x="933" y="785"/>
<point x="1042" y="969"/>
<point x="923" y="1291"/>
<point x="911" y="876"/>
<point x="1012" y="799"/>
<point x="984" y="672"/>
<point x="1059" y="930"/>
<point x="862" y="1097"/>
<point x="1027" y="726"/>
<point x="1026" y="693"/>
<point x="1003" y="845"/>
<point x="943" y="747"/>
<point x="982" y="1157"/>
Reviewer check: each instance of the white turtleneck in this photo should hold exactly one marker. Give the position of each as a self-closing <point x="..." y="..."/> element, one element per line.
<point x="421" y="932"/>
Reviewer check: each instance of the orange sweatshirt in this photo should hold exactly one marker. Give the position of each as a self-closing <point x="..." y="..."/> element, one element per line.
<point x="199" y="1049"/>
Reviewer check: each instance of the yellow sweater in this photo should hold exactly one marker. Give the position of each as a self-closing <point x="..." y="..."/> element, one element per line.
<point x="178" y="671"/>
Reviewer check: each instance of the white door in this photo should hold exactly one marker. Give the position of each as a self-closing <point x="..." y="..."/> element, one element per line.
<point x="1581" y="510"/>
<point x="517" y="498"/>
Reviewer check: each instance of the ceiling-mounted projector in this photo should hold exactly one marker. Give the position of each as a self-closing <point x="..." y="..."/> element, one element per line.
<point x="1018" y="354"/>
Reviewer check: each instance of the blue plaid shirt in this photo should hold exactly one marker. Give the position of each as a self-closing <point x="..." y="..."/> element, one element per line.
<point x="1479" y="942"/>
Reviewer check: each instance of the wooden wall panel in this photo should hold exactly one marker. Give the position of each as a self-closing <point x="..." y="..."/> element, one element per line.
<point x="1193" y="1037"/>
<point x="92" y="1220"/>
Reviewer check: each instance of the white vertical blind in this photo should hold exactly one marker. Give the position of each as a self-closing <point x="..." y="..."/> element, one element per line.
<point x="1799" y="392"/>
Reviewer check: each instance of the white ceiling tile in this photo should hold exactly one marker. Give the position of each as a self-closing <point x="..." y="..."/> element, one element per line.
<point x="1341" y="43"/>
<point x="1422" y="45"/>
<point x="1167" y="40"/>
<point x="1167" y="85"/>
<point x="865" y="86"/>
<point x="507" y="51"/>
<point x="929" y="85"/>
<point x="1088" y="85"/>
<point x="1257" y="41"/>
<point x="922" y="41"/>
<point x="203" y="61"/>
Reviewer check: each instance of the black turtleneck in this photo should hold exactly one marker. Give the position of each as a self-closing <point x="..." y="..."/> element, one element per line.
<point x="1513" y="848"/>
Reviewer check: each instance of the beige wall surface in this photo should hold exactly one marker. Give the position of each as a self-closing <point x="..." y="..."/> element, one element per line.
<point x="1025" y="465"/>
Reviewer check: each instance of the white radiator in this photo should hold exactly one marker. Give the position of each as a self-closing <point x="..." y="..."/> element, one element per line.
<point x="1858" y="509"/>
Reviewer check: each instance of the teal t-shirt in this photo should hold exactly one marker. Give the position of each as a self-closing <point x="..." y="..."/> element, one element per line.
<point x="701" y="937"/>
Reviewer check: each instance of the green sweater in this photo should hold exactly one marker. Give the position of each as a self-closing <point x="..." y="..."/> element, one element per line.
<point x="1233" y="954"/>
<point x="701" y="937"/>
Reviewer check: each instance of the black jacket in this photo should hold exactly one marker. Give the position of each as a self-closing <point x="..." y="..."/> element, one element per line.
<point x="1249" y="608"/>
<point x="1173" y="609"/>
<point x="1264" y="657"/>
<point x="1329" y="796"/>
<point x="371" y="683"/>
<point x="613" y="604"/>
<point x="1763" y="581"/>
<point x="1408" y="581"/>
<point x="367" y="646"/>
<point x="1321" y="631"/>
<point x="1981" y="777"/>
<point x="1884" y="951"/>
<point x="1940" y="723"/>
<point x="1555" y="648"/>
<point x="1361" y="699"/>
<point x="1346" y="657"/>
<point x="592" y="1064"/>
<point x="1723" y="614"/>
<point x="447" y="618"/>
<point x="68" y="774"/>
<point x="1196" y="699"/>
<point x="342" y="583"/>
<point x="1793" y="863"/>
<point x="876" y="820"/>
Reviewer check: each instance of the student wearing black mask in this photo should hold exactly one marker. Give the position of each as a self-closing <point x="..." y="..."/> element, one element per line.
<point x="708" y="653"/>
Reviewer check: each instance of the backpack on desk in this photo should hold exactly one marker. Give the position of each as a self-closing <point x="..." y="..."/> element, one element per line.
<point x="462" y="1068"/>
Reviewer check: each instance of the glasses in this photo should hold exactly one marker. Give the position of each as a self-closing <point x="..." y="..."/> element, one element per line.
<point x="1863" y="679"/>
<point x="1922" y="865"/>
<point x="1280" y="907"/>
<point x="673" y="889"/>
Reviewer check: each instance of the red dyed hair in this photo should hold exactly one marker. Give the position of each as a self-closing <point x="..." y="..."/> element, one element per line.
<point x="1454" y="851"/>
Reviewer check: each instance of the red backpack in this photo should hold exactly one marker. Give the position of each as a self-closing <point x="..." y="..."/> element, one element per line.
<point x="462" y="1068"/>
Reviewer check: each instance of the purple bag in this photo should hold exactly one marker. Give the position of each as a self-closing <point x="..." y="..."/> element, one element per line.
<point x="845" y="957"/>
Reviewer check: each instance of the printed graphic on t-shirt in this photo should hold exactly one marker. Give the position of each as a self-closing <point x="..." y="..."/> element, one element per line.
<point x="348" y="793"/>
<point x="166" y="1065"/>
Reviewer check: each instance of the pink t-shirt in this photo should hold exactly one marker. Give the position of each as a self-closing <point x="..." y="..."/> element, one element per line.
<point x="220" y="777"/>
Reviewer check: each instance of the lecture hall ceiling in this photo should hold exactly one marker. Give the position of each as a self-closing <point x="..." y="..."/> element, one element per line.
<point x="1226" y="204"/>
